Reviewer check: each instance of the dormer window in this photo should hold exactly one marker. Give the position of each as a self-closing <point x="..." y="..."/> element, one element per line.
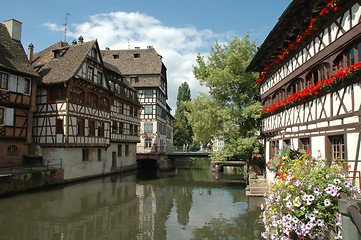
<point x="57" y="54"/>
<point x="136" y="55"/>
<point x="115" y="56"/>
<point x="133" y="80"/>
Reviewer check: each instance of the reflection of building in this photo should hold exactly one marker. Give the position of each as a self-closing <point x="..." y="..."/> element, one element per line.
<point x="86" y="114"/>
<point x="218" y="143"/>
<point x="147" y="212"/>
<point x="310" y="80"/>
<point x="155" y="205"/>
<point x="146" y="72"/>
<point x="100" y="209"/>
<point x="17" y="96"/>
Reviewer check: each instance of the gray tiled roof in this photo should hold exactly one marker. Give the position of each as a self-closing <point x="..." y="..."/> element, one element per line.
<point x="54" y="70"/>
<point x="12" y="55"/>
<point x="148" y="63"/>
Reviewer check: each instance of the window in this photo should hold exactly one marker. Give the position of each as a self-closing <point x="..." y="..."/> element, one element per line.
<point x="91" y="128"/>
<point x="130" y="129"/>
<point x="148" y="127"/>
<point x="114" y="127"/>
<point x="90" y="73"/>
<point x="148" y="93"/>
<point x="92" y="100"/>
<point x="59" y="126"/>
<point x="4" y="81"/>
<point x="56" y="54"/>
<point x="297" y="85"/>
<point x="304" y="143"/>
<point x="76" y="95"/>
<point x="148" y="143"/>
<point x="85" y="155"/>
<point x="148" y="109"/>
<point x="99" y="78"/>
<point x="126" y="150"/>
<point x="136" y="55"/>
<point x="319" y="73"/>
<point x="2" y="115"/>
<point x="133" y="80"/>
<point x="100" y="129"/>
<point x="121" y="128"/>
<point x="115" y="56"/>
<point x="12" y="150"/>
<point x="278" y="96"/>
<point x="337" y="147"/>
<point x="27" y="86"/>
<point x="119" y="150"/>
<point x="131" y="111"/>
<point x="56" y="93"/>
<point x="121" y="108"/>
<point x="287" y="142"/>
<point x="99" y="154"/>
<point x="135" y="112"/>
<point x="93" y="53"/>
<point x="81" y="126"/>
<point x="273" y="148"/>
<point x="104" y="103"/>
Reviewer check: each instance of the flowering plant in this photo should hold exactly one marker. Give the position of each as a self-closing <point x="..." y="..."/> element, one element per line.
<point x="303" y="204"/>
<point x="326" y="83"/>
<point x="331" y="8"/>
<point x="281" y="161"/>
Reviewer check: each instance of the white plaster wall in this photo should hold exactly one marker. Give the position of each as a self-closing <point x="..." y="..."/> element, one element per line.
<point x="318" y="146"/>
<point x="122" y="161"/>
<point x="352" y="141"/>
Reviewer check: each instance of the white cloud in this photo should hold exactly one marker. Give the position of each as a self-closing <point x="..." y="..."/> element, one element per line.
<point x="178" y="46"/>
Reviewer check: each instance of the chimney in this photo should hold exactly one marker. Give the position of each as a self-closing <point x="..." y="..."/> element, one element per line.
<point x="14" y="28"/>
<point x="30" y="52"/>
<point x="137" y="48"/>
<point x="80" y="39"/>
<point x="107" y="48"/>
<point x="74" y="42"/>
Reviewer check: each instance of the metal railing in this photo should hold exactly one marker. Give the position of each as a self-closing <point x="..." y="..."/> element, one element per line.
<point x="351" y="217"/>
<point x="14" y="169"/>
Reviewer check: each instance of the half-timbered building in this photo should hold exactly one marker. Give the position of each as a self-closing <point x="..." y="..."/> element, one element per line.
<point x="310" y="80"/>
<point x="145" y="71"/>
<point x="76" y="105"/>
<point x="17" y="96"/>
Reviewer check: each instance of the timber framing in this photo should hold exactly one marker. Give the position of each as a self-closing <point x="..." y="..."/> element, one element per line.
<point x="328" y="122"/>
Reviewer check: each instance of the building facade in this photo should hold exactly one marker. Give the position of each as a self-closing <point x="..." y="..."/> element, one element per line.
<point x="17" y="96"/>
<point x="310" y="80"/>
<point x="86" y="115"/>
<point x="145" y="71"/>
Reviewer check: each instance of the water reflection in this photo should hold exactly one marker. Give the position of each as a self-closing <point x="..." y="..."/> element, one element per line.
<point x="186" y="204"/>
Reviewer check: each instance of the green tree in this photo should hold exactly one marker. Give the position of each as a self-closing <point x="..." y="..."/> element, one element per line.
<point x="182" y="129"/>
<point x="233" y="106"/>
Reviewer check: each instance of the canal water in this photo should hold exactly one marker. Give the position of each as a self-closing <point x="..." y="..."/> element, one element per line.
<point x="189" y="203"/>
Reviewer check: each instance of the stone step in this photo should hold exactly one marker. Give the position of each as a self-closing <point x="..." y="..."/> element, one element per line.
<point x="258" y="189"/>
<point x="252" y="194"/>
<point x="264" y="185"/>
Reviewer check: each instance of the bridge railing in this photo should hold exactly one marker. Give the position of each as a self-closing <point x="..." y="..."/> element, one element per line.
<point x="190" y="149"/>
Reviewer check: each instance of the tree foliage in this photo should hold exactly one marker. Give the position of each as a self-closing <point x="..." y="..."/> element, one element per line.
<point x="233" y="106"/>
<point x="182" y="129"/>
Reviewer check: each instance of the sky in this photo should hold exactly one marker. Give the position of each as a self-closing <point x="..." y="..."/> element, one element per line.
<point x="178" y="30"/>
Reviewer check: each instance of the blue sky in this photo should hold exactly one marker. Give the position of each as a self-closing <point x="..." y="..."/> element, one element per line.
<point x="178" y="30"/>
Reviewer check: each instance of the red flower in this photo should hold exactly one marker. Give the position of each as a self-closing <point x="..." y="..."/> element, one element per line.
<point x="308" y="152"/>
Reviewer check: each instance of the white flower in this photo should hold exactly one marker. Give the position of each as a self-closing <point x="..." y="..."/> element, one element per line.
<point x="326" y="202"/>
